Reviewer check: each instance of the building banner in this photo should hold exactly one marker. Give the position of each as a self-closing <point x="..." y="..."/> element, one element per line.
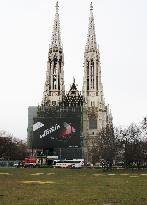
<point x="56" y="132"/>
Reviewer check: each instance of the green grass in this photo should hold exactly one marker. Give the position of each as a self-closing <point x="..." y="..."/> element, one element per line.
<point x="71" y="187"/>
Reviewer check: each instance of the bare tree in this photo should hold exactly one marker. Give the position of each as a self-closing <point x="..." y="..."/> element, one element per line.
<point x="104" y="149"/>
<point x="134" y="146"/>
<point x="11" y="148"/>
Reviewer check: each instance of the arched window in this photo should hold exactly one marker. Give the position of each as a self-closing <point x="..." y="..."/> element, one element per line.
<point x="92" y="123"/>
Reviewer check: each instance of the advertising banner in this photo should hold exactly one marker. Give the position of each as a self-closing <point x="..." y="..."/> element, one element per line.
<point x="56" y="132"/>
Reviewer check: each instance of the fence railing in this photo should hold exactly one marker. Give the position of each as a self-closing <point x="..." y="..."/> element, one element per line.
<point x="8" y="163"/>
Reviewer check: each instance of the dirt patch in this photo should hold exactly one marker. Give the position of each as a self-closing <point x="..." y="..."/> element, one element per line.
<point x="37" y="174"/>
<point x="36" y="182"/>
<point x="1" y="173"/>
<point x="134" y="176"/>
<point x="50" y="173"/>
<point x="98" y="175"/>
<point x="143" y="174"/>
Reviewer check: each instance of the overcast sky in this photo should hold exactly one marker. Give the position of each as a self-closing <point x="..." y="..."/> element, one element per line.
<point x="25" y="34"/>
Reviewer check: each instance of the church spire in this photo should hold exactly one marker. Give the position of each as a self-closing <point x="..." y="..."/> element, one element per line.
<point x="91" y="7"/>
<point x="91" y="44"/>
<point x="56" y="37"/>
<point x="54" y="85"/>
<point x="92" y="86"/>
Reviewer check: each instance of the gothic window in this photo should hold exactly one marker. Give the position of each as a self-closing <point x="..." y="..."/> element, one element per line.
<point x="87" y="68"/>
<point x="48" y="83"/>
<point x="60" y="64"/>
<point x="55" y="69"/>
<point x="96" y="82"/>
<point x="92" y="73"/>
<point x="92" y="103"/>
<point x="91" y="82"/>
<point x="58" y="83"/>
<point x="53" y="103"/>
<point x="87" y="83"/>
<point x="55" y="65"/>
<point x="92" y="123"/>
<point x="54" y="81"/>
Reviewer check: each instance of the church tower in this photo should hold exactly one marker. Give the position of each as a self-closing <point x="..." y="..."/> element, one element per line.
<point x="97" y="114"/>
<point x="92" y="86"/>
<point x="54" y="85"/>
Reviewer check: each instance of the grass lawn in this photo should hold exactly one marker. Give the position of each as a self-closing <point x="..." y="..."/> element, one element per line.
<point x="49" y="186"/>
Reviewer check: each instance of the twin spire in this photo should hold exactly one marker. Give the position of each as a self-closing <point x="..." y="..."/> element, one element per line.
<point x="91" y="37"/>
<point x="56" y="37"/>
<point x="91" y="44"/>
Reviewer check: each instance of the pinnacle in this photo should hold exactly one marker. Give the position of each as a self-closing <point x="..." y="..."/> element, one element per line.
<point x="57" y="7"/>
<point x="91" y="6"/>
<point x="91" y="39"/>
<point x="56" y="38"/>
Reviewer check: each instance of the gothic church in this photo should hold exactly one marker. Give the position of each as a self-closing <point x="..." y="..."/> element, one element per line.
<point x="89" y="102"/>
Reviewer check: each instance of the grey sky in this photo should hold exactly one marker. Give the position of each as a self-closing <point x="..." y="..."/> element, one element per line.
<point x="25" y="34"/>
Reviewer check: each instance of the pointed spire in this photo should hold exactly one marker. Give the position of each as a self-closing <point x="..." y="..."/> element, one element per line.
<point x="91" y="7"/>
<point x="73" y="79"/>
<point x="57" y="7"/>
<point x="91" y="37"/>
<point x="56" y="38"/>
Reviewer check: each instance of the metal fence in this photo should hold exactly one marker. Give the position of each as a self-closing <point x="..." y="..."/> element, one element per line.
<point x="8" y="163"/>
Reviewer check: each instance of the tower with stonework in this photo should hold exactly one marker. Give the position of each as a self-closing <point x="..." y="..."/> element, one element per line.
<point x="96" y="115"/>
<point x="54" y="85"/>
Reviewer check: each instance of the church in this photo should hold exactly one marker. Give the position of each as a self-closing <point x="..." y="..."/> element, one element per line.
<point x="64" y="123"/>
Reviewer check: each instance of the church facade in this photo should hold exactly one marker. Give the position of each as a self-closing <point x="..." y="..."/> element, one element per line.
<point x="69" y="120"/>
